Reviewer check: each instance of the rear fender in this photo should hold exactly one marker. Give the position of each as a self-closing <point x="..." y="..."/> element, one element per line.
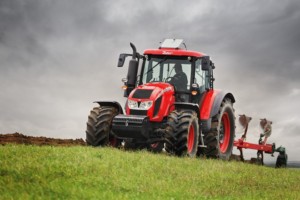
<point x="218" y="101"/>
<point x="111" y="104"/>
<point x="211" y="106"/>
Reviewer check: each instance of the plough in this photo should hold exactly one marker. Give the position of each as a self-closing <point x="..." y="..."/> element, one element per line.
<point x="262" y="146"/>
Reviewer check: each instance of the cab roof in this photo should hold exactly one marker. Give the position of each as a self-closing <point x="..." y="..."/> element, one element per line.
<point x="173" y="52"/>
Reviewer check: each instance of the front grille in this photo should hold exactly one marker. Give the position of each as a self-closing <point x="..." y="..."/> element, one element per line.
<point x="128" y="121"/>
<point x="142" y="94"/>
<point x="138" y="112"/>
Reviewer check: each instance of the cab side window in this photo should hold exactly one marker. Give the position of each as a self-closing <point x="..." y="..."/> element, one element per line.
<point x="200" y="75"/>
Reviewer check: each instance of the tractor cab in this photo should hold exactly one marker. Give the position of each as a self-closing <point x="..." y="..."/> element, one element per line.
<point x="184" y="73"/>
<point x="189" y="72"/>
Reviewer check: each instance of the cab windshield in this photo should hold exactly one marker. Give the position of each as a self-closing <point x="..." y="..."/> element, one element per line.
<point x="167" y="69"/>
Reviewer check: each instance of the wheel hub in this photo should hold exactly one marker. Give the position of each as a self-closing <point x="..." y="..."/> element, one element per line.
<point x="224" y="133"/>
<point x="191" y="139"/>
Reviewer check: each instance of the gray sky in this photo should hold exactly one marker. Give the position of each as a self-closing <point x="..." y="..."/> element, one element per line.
<point x="57" y="57"/>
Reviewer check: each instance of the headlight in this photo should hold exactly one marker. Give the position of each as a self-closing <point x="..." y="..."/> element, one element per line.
<point x="146" y="105"/>
<point x="132" y="104"/>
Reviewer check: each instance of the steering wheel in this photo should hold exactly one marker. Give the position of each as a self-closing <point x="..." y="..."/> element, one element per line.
<point x="168" y="79"/>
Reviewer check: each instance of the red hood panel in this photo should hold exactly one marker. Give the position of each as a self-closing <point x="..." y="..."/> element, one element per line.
<point x="158" y="89"/>
<point x="162" y="96"/>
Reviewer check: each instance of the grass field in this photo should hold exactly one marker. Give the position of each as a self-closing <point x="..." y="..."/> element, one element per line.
<point x="33" y="172"/>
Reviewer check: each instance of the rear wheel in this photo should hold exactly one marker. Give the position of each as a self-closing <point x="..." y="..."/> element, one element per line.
<point x="98" y="132"/>
<point x="219" y="140"/>
<point x="182" y="133"/>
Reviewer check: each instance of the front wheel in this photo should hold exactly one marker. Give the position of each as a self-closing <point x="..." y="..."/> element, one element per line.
<point x="219" y="140"/>
<point x="98" y="132"/>
<point x="182" y="133"/>
<point x="168" y="79"/>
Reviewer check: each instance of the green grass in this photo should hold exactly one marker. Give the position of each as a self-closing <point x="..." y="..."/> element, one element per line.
<point x="32" y="172"/>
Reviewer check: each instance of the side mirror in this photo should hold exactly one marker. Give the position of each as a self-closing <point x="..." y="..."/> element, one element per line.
<point x="205" y="63"/>
<point x="121" y="60"/>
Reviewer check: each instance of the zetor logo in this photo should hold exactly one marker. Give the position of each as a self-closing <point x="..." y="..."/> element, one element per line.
<point x="166" y="52"/>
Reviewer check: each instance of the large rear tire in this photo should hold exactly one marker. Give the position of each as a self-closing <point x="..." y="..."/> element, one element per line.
<point x="182" y="133"/>
<point x="98" y="132"/>
<point x="219" y="140"/>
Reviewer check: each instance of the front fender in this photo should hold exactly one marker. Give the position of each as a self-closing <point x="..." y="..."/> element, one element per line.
<point x="111" y="104"/>
<point x="188" y="106"/>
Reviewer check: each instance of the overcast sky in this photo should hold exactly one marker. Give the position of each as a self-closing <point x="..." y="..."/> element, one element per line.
<point x="57" y="57"/>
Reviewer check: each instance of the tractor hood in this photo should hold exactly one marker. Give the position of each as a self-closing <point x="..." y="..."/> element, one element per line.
<point x="151" y="99"/>
<point x="151" y="90"/>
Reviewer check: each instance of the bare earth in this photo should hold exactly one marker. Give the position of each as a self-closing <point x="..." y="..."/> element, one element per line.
<point x="18" y="138"/>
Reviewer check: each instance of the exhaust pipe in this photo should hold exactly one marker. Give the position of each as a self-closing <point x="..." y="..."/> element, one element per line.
<point x="132" y="70"/>
<point x="133" y="51"/>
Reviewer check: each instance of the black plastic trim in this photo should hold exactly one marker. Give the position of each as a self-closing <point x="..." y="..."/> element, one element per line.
<point x="142" y="94"/>
<point x="157" y="106"/>
<point x="138" y="112"/>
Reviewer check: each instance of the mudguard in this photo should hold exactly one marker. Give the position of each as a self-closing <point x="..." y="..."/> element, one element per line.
<point x="210" y="106"/>
<point x="218" y="101"/>
<point x="190" y="106"/>
<point x="111" y="103"/>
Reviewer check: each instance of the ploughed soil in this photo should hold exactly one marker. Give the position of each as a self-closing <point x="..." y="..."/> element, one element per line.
<point x="18" y="138"/>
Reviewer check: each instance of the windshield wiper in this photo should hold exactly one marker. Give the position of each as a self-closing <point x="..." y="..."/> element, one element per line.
<point x="151" y="69"/>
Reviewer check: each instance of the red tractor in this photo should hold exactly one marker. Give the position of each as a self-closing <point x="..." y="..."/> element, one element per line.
<point x="171" y="105"/>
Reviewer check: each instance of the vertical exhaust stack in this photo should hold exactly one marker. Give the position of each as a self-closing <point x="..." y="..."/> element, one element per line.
<point x="132" y="70"/>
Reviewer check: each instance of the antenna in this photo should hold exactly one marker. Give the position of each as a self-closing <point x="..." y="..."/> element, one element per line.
<point x="184" y="45"/>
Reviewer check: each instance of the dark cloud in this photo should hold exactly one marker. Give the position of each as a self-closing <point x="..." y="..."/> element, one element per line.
<point x="57" y="57"/>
